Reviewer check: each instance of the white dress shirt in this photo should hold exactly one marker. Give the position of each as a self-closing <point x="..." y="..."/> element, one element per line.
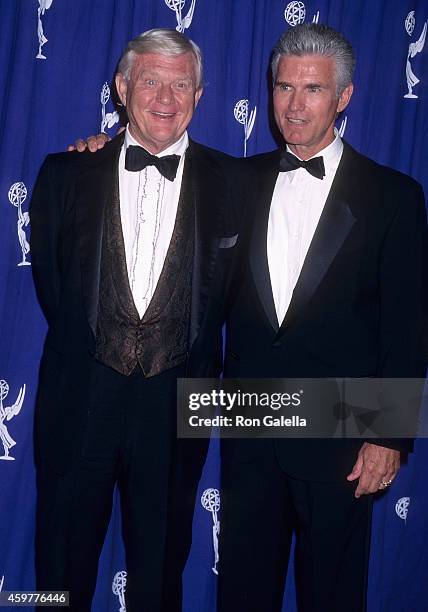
<point x="297" y="203"/>
<point x="148" y="208"/>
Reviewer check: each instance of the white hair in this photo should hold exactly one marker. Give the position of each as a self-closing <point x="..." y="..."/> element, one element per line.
<point x="164" y="42"/>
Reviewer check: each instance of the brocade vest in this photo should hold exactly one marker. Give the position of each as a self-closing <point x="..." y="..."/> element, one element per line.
<point x="159" y="340"/>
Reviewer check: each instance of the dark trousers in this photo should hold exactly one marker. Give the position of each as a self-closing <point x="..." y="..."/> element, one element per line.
<point x="261" y="506"/>
<point x="129" y="440"/>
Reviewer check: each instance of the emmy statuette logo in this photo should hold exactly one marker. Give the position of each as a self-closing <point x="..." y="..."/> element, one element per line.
<point x="342" y="127"/>
<point x="44" y="5"/>
<point x="414" y="49"/>
<point x="118" y="587"/>
<point x="402" y="507"/>
<point x="295" y="13"/>
<point x="6" y="414"/>
<point x="210" y="501"/>
<point x="107" y="119"/>
<point x="178" y="5"/>
<point x="17" y="196"/>
<point x="241" y="115"/>
<point x="1" y="583"/>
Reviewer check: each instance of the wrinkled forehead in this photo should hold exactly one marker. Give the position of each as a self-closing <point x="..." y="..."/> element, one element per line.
<point x="173" y="66"/>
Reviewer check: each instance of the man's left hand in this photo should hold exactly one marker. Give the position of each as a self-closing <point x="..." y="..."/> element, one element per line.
<point x="376" y="467"/>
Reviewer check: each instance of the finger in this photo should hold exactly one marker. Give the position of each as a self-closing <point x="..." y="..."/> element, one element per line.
<point x="93" y="144"/>
<point x="366" y="486"/>
<point x="391" y="472"/>
<point x="369" y="482"/>
<point x="388" y="479"/>
<point x="80" y="145"/>
<point x="356" y="470"/>
<point x="102" y="139"/>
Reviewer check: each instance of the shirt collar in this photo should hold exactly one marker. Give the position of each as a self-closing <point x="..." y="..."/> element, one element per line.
<point x="177" y="148"/>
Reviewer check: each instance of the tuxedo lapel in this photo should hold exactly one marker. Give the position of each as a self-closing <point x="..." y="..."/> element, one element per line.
<point x="96" y="185"/>
<point x="333" y="227"/>
<point x="206" y="183"/>
<point x="258" y="242"/>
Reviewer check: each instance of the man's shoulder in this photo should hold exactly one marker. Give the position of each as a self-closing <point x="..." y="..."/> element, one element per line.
<point x="67" y="165"/>
<point x="263" y="159"/>
<point x="215" y="162"/>
<point x="209" y="154"/>
<point x="376" y="173"/>
<point x="257" y="167"/>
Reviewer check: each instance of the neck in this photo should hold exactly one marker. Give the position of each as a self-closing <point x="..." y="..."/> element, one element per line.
<point x="305" y="152"/>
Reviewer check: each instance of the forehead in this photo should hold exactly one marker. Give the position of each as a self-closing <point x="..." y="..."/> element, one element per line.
<point x="307" y="68"/>
<point x="182" y="65"/>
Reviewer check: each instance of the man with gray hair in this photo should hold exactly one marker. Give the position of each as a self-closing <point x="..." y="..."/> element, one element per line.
<point x="131" y="254"/>
<point x="333" y="285"/>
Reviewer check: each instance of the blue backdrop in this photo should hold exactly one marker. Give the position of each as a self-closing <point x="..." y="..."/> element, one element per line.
<point x="57" y="58"/>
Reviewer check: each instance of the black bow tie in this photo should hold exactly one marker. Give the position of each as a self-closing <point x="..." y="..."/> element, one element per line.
<point x="137" y="159"/>
<point x="314" y="166"/>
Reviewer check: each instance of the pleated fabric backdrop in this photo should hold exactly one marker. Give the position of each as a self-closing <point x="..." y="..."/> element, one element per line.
<point x="57" y="60"/>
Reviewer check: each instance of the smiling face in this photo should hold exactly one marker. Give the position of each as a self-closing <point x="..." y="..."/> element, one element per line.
<point x="160" y="98"/>
<point x="306" y="103"/>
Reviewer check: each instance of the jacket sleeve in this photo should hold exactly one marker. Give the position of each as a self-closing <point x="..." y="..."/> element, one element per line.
<point x="46" y="210"/>
<point x="403" y="277"/>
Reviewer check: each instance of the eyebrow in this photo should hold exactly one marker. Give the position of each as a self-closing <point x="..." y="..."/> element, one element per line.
<point x="314" y="84"/>
<point x="154" y="72"/>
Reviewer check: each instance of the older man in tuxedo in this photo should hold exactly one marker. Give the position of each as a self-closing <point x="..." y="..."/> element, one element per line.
<point x="131" y="250"/>
<point x="333" y="285"/>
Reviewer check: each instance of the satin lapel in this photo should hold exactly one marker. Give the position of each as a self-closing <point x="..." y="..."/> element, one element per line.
<point x="209" y="198"/>
<point x="96" y="185"/>
<point x="333" y="228"/>
<point x="258" y="243"/>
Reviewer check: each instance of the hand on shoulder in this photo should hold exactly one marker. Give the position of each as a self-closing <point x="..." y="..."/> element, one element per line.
<point x="92" y="143"/>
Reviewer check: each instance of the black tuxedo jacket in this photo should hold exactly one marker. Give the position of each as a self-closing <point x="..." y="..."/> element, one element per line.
<point x="67" y="211"/>
<point x="359" y="306"/>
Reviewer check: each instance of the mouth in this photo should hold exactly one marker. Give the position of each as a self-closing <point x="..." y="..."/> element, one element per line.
<point x="160" y="115"/>
<point x="293" y="121"/>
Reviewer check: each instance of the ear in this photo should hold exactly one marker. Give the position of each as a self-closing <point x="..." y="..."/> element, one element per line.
<point x="345" y="96"/>
<point x="122" y="87"/>
<point x="198" y="94"/>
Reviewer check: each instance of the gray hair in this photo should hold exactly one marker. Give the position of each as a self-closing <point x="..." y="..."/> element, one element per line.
<point x="164" y="42"/>
<point x="317" y="39"/>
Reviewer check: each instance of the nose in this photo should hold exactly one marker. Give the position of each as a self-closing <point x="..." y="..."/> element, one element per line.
<point x="296" y="101"/>
<point x="165" y="93"/>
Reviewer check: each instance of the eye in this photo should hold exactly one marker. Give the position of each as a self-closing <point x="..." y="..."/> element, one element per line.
<point x="182" y="86"/>
<point x="314" y="88"/>
<point x="150" y="82"/>
<point x="283" y="86"/>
